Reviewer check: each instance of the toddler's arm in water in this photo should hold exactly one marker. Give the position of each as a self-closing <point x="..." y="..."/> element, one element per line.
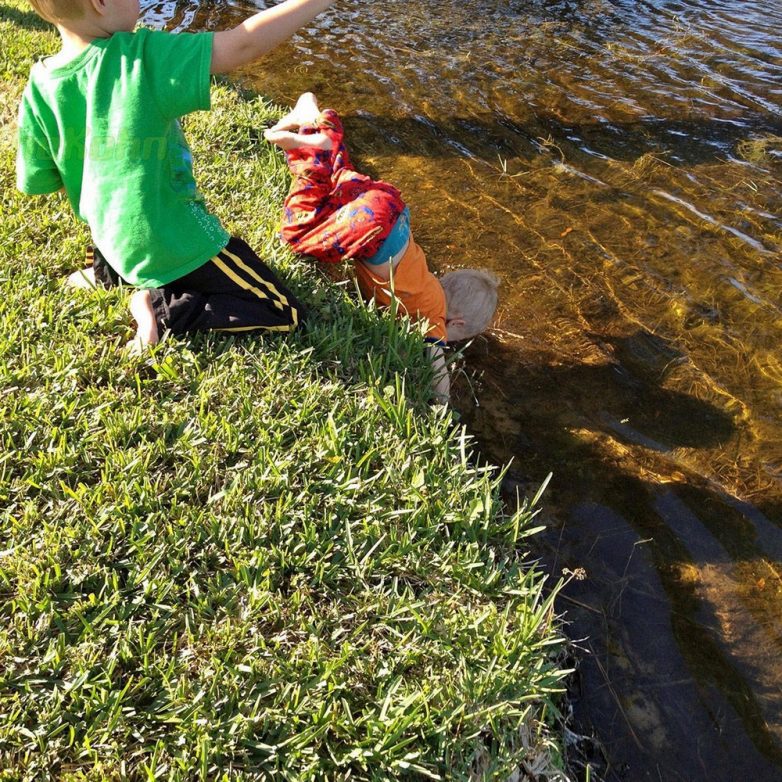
<point x="441" y="382"/>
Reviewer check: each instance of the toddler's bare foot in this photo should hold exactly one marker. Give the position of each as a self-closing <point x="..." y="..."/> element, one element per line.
<point x="287" y="140"/>
<point x="146" y="331"/>
<point x="305" y="112"/>
<point x="83" y="278"/>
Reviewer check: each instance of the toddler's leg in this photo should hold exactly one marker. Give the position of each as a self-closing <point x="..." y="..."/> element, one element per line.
<point x="305" y="112"/>
<point x="288" y="140"/>
<point x="298" y="128"/>
<point x="329" y="124"/>
<point x="309" y="222"/>
<point x="332" y="212"/>
<point x="306" y="125"/>
<point x="310" y="201"/>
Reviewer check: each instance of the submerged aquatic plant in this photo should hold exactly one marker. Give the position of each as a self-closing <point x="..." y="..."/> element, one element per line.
<point x="760" y="150"/>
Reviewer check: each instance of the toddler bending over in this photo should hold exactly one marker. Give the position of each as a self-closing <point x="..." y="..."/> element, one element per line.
<point x="334" y="212"/>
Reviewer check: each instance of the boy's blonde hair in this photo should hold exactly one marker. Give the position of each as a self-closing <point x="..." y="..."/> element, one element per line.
<point x="58" y="10"/>
<point x="471" y="295"/>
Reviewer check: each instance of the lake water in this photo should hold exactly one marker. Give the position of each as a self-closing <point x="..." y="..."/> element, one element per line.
<point x="618" y="164"/>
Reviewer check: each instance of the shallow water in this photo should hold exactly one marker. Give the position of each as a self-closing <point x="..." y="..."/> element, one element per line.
<point x="619" y="166"/>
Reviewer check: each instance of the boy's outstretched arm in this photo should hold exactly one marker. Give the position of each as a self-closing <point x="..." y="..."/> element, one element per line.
<point x="262" y="32"/>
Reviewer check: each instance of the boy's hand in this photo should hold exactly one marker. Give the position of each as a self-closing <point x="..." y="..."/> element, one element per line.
<point x="261" y="33"/>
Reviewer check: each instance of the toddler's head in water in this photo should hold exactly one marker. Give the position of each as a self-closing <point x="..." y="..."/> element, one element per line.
<point x="471" y="300"/>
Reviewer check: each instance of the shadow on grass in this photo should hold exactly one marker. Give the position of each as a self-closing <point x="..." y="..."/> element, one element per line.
<point x="26" y="19"/>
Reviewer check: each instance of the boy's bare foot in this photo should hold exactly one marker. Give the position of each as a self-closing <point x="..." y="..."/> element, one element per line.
<point x="146" y="331"/>
<point x="287" y="140"/>
<point x="305" y="112"/>
<point x="83" y="278"/>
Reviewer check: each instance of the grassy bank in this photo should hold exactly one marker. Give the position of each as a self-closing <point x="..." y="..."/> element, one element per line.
<point x="255" y="559"/>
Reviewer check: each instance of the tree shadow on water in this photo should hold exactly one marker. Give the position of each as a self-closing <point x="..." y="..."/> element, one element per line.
<point x="662" y="685"/>
<point x="600" y="397"/>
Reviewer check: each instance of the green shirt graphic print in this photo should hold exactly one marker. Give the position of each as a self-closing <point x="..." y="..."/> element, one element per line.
<point x="105" y="126"/>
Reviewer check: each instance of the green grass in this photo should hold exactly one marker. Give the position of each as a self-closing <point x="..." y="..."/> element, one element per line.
<point x="256" y="559"/>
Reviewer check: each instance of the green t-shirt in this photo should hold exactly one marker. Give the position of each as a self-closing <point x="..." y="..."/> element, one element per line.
<point x="105" y="127"/>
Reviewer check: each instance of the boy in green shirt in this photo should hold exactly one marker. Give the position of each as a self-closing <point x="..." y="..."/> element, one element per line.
<point x="100" y="119"/>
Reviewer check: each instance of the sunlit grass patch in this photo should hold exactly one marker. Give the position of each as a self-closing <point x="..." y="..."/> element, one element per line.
<point x="255" y="559"/>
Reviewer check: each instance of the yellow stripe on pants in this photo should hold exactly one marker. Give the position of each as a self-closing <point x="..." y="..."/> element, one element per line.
<point x="242" y="283"/>
<point x="256" y="328"/>
<point x="281" y="300"/>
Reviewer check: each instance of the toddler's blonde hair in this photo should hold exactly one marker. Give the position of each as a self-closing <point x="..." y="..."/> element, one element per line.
<point x="55" y="11"/>
<point x="471" y="294"/>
